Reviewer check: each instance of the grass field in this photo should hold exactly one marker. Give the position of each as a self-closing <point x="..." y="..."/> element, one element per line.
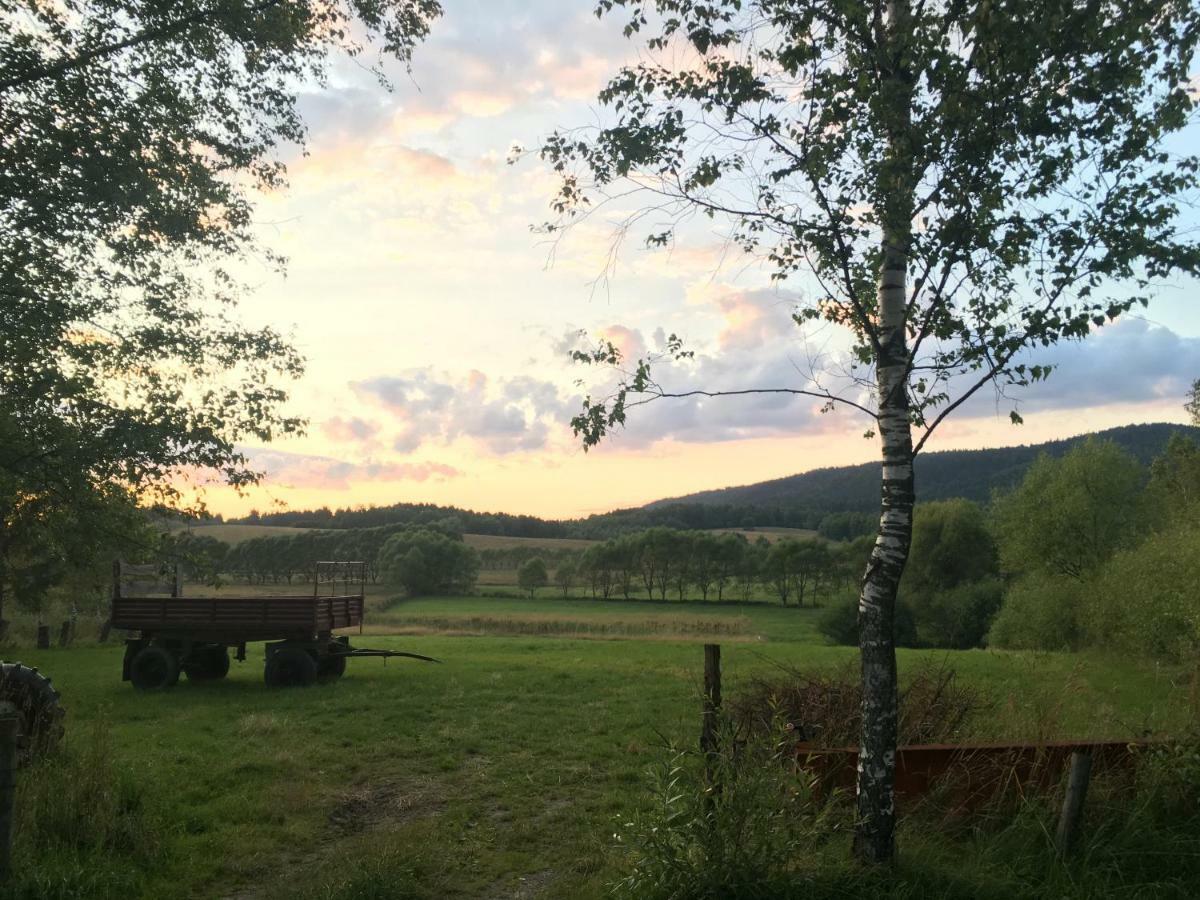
<point x="499" y="773"/>
<point x="235" y="534"/>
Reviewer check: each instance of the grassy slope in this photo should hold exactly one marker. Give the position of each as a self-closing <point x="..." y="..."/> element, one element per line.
<point x="498" y="773"/>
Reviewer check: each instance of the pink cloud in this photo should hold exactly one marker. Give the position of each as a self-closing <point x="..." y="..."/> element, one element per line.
<point x="628" y="340"/>
<point x="301" y="470"/>
<point x="349" y="430"/>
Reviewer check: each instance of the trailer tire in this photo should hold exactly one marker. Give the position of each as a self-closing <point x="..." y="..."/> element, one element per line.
<point x="331" y="668"/>
<point x="31" y="698"/>
<point x="154" y="668"/>
<point x="209" y="662"/>
<point x="290" y="667"/>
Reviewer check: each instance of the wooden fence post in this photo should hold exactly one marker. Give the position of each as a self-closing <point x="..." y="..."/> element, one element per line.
<point x="1072" y="808"/>
<point x="43" y="637"/>
<point x="712" y="698"/>
<point x="8" y="786"/>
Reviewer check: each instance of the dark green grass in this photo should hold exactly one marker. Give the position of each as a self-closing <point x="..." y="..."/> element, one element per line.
<point x="501" y="772"/>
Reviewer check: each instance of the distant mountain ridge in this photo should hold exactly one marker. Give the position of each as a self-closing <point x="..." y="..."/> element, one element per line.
<point x="807" y="500"/>
<point x="973" y="474"/>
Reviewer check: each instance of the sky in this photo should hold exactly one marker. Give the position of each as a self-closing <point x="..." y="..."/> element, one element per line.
<point x="437" y="323"/>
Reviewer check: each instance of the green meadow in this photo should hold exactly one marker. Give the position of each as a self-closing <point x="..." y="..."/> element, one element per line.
<point x="501" y="772"/>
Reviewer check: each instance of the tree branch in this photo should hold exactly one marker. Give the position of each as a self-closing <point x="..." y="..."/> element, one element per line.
<point x="829" y="398"/>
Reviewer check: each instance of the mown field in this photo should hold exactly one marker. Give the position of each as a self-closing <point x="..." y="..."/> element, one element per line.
<point x="500" y="773"/>
<point x="235" y="534"/>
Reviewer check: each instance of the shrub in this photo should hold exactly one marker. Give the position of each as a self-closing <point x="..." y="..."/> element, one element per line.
<point x="744" y="838"/>
<point x="1038" y="613"/>
<point x="951" y="546"/>
<point x="1144" y="599"/>
<point x="957" y="618"/>
<point x="826" y="708"/>
<point x="839" y="623"/>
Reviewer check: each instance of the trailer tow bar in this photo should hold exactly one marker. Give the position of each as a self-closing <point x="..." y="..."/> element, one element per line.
<point x="361" y="652"/>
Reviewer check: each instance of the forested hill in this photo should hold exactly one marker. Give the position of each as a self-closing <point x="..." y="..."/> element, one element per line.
<point x="973" y="474"/>
<point x="839" y="502"/>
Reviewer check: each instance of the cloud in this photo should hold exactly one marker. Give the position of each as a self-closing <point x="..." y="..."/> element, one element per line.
<point x="756" y="349"/>
<point x="1130" y="361"/>
<point x="504" y="415"/>
<point x="301" y="470"/>
<point x="349" y="430"/>
<point x="628" y="341"/>
<point x="750" y="319"/>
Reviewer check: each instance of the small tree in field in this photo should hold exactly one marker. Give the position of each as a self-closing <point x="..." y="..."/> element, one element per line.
<point x="532" y="575"/>
<point x="564" y="576"/>
<point x="957" y="182"/>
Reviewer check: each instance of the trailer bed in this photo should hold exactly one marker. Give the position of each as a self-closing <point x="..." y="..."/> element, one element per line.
<point x="236" y="620"/>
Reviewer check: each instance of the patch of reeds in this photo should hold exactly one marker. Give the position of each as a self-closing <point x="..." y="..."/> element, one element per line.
<point x="605" y="627"/>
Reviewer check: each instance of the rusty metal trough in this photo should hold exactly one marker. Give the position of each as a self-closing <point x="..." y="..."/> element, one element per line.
<point x="969" y="775"/>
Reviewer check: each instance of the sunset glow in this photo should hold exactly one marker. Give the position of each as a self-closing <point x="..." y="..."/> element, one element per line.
<point x="437" y="324"/>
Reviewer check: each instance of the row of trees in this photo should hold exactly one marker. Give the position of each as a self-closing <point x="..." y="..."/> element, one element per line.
<point x="1092" y="549"/>
<point x="837" y="524"/>
<point x="664" y="562"/>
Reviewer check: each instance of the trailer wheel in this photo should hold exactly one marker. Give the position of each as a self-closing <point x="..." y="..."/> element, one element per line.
<point x="29" y="696"/>
<point x="331" y="668"/>
<point x="207" y="663"/>
<point x="154" y="668"/>
<point x="290" y="667"/>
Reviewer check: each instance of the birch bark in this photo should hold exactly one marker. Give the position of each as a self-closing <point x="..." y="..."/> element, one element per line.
<point x="875" y="830"/>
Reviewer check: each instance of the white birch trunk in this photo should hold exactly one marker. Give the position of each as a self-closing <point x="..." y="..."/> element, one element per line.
<point x="875" y="830"/>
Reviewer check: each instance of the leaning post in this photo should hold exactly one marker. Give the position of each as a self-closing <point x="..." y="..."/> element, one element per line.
<point x="1072" y="808"/>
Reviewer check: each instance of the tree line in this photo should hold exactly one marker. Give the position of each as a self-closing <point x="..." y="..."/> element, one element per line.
<point x="834" y="524"/>
<point x="1092" y="549"/>
<point x="664" y="563"/>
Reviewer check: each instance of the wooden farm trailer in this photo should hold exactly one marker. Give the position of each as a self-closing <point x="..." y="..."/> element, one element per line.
<point x="193" y="635"/>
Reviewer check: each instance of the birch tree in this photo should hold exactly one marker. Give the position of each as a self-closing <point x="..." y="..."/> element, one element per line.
<point x="958" y="184"/>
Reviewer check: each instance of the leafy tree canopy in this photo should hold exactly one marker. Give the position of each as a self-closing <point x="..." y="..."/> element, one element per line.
<point x="428" y="562"/>
<point x="532" y="575"/>
<point x="135" y="135"/>
<point x="952" y="545"/>
<point x="1069" y="515"/>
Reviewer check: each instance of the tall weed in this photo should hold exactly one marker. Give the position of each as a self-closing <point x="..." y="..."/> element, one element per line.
<point x="83" y="825"/>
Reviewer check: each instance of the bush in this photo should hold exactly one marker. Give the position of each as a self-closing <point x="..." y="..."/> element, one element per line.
<point x="745" y="839"/>
<point x="957" y="618"/>
<point x="951" y="546"/>
<point x="825" y="709"/>
<point x="1144" y="599"/>
<point x="839" y="623"/>
<point x="1039" y="613"/>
